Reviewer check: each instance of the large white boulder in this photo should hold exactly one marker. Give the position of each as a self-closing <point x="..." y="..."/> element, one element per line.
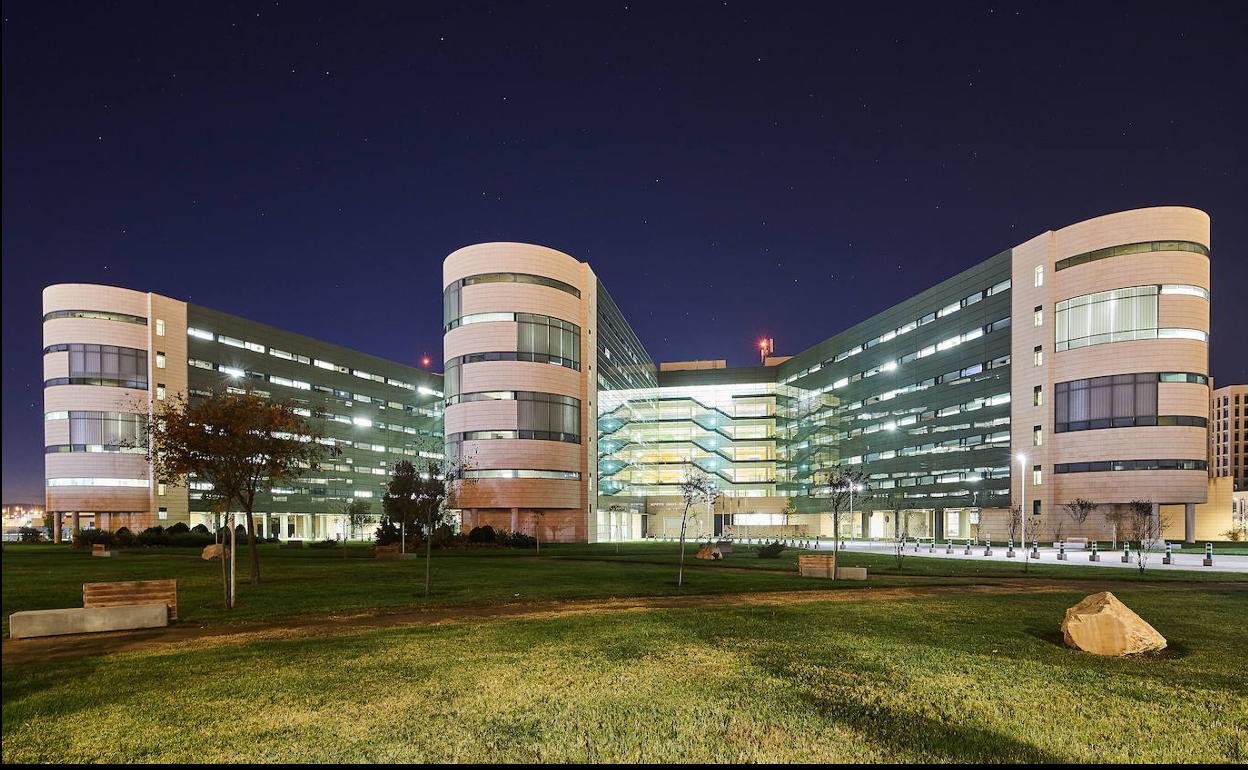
<point x="1102" y="625"/>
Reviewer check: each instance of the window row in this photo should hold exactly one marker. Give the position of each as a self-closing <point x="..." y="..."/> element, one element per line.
<point x="108" y="448"/>
<point x="489" y="435"/>
<point x="523" y="473"/>
<point x="1131" y="465"/>
<point x="904" y="329"/>
<point x="286" y="355"/>
<point x="101" y="315"/>
<point x="1165" y="420"/>
<point x="505" y="355"/>
<point x="537" y="280"/>
<point x="1131" y="248"/>
<point x="512" y="395"/>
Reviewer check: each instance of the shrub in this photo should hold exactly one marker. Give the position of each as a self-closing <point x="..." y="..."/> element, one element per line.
<point x="123" y="538"/>
<point x="484" y="534"/>
<point x="85" y="538"/>
<point x="31" y="534"/>
<point x="178" y="528"/>
<point x="514" y="539"/>
<point x="201" y="529"/>
<point x="324" y="544"/>
<point x="153" y="536"/>
<point x="771" y="550"/>
<point x="189" y="539"/>
<point x="387" y="534"/>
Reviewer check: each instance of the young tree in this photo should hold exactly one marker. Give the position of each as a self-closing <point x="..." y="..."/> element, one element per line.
<point x="901" y="529"/>
<point x="841" y="484"/>
<point x="1116" y="517"/>
<point x="421" y="498"/>
<point x="357" y="513"/>
<point x="697" y="488"/>
<point x="1013" y="521"/>
<point x="1078" y="510"/>
<point x="1144" y="528"/>
<point x="239" y="443"/>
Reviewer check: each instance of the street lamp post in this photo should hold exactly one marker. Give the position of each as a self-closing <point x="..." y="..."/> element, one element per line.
<point x="1022" y="509"/>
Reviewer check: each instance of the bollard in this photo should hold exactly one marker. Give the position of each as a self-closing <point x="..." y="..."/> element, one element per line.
<point x="968" y="547"/>
<point x="987" y="547"/>
<point x="1009" y="550"/>
<point x="948" y="546"/>
<point x="916" y="545"/>
<point x="1208" y="562"/>
<point x="1126" y="552"/>
<point x="1061" y="551"/>
<point x="1035" y="549"/>
<point x="1095" y="556"/>
<point x="1169" y="557"/>
<point x="931" y="547"/>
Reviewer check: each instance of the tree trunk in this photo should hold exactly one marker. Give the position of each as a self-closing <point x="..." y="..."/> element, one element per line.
<point x="255" y="552"/>
<point x="680" y="574"/>
<point x="225" y="572"/>
<point x="428" y="551"/>
<point x="836" y="543"/>
<point x="233" y="562"/>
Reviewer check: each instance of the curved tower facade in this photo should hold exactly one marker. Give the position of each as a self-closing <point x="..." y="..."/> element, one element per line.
<point x="519" y="349"/>
<point x="1110" y="351"/>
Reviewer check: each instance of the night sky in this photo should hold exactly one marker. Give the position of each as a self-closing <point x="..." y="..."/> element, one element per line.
<point x="731" y="170"/>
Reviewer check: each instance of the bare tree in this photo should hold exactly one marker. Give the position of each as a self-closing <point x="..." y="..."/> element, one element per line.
<point x="697" y="488"/>
<point x="239" y="443"/>
<point x="1014" y="521"/>
<point x="1145" y="529"/>
<point x="1117" y="519"/>
<point x="356" y="513"/>
<point x="901" y="529"/>
<point x="1078" y="510"/>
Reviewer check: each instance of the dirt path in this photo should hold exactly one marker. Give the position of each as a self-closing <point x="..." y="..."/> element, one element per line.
<point x="21" y="651"/>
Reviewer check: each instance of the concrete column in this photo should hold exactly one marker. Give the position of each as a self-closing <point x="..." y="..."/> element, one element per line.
<point x="284" y="524"/>
<point x="938" y="524"/>
<point x="866" y="524"/>
<point x="1189" y="523"/>
<point x="515" y="519"/>
<point x="56" y="526"/>
<point x="76" y="525"/>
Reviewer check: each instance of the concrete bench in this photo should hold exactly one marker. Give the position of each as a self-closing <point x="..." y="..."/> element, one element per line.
<point x="132" y="593"/>
<point x="293" y="544"/>
<point x="387" y="551"/>
<point x="85" y="620"/>
<point x="1077" y="542"/>
<point x="816" y="565"/>
<point x="99" y="549"/>
<point x="851" y="573"/>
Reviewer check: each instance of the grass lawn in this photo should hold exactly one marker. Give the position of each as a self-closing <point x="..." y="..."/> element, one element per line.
<point x="311" y="581"/>
<point x="938" y="679"/>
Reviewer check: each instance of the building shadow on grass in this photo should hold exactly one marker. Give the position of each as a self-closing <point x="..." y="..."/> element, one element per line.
<point x="911" y="734"/>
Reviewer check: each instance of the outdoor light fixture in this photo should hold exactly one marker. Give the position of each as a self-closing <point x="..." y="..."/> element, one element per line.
<point x="1022" y="506"/>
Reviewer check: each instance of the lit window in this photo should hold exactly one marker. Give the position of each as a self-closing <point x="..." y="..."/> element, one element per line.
<point x="1037" y="396"/>
<point x="160" y="489"/>
<point x="1037" y="436"/>
<point x="160" y="327"/>
<point x="199" y="333"/>
<point x="160" y="392"/>
<point x="1037" y="355"/>
<point x="1037" y="318"/>
<point x="1036" y="476"/>
<point x="1039" y="275"/>
<point x="162" y="513"/>
<point x="160" y="360"/>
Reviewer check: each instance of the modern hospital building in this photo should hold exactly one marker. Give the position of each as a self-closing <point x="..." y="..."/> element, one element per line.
<point x="1073" y="365"/>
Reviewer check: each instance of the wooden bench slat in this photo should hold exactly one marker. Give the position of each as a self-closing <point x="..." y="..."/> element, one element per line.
<point x="132" y="592"/>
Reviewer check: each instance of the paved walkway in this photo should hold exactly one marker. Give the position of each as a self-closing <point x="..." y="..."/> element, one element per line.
<point x="1189" y="558"/>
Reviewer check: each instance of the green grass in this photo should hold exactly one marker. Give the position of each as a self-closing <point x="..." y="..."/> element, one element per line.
<point x="940" y="679"/>
<point x="315" y="581"/>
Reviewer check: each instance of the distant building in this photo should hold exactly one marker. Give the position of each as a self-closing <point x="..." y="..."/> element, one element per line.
<point x="1229" y="436"/>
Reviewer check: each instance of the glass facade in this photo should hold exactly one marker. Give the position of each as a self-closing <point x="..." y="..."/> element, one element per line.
<point x="375" y="412"/>
<point x="918" y="397"/>
<point x="627" y="393"/>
